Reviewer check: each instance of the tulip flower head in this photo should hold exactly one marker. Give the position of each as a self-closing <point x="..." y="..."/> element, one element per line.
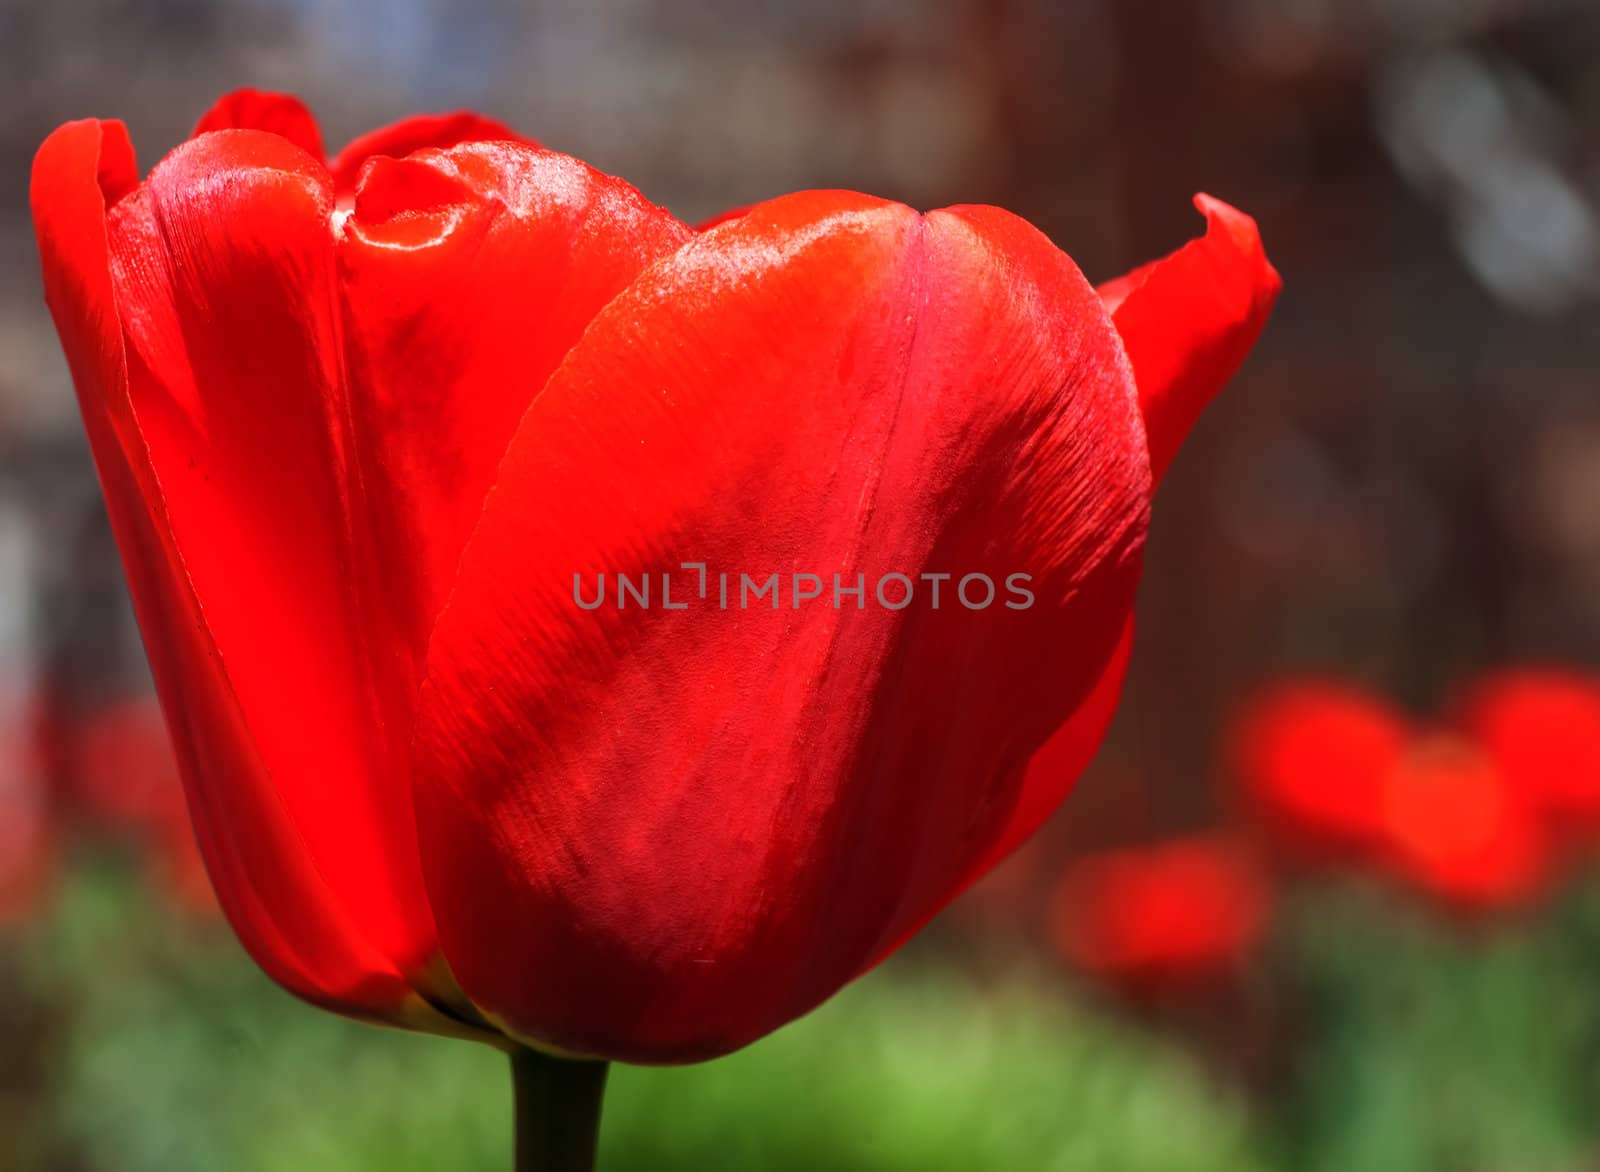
<point x="363" y="424"/>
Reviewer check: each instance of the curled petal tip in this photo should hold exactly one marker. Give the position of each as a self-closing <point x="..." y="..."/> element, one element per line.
<point x="60" y="159"/>
<point x="722" y="217"/>
<point x="1253" y="274"/>
<point x="1188" y="321"/>
<point x="420" y="132"/>
<point x="406" y="202"/>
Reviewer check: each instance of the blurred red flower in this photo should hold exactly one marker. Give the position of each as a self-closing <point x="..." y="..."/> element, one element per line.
<point x="1309" y="757"/>
<point x="173" y="860"/>
<point x="1457" y="828"/>
<point x="124" y="778"/>
<point x="121" y="765"/>
<point x="1148" y="919"/>
<point x="1336" y="776"/>
<point x="29" y="841"/>
<point x="430" y="788"/>
<point x="1541" y="728"/>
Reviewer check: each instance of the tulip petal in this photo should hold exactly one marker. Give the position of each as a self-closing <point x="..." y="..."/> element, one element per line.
<point x="723" y="217"/>
<point x="468" y="274"/>
<point x="409" y="135"/>
<point x="655" y="834"/>
<point x="1189" y="320"/>
<point x="251" y="109"/>
<point x="1056" y="767"/>
<point x="223" y="269"/>
<point x="1051" y="774"/>
<point x="271" y="887"/>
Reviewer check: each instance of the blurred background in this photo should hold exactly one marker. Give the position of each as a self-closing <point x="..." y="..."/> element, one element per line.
<point x="1324" y="899"/>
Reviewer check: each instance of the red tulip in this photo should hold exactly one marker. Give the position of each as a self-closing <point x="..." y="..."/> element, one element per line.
<point x="1337" y="776"/>
<point x="357" y="449"/>
<point x="1310" y="757"/>
<point x="173" y="861"/>
<point x="1541" y="728"/>
<point x="121" y="765"/>
<point x="1457" y="828"/>
<point x="126" y="777"/>
<point x="1151" y="918"/>
<point x="28" y="838"/>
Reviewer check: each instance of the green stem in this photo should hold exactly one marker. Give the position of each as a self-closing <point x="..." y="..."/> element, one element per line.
<point x="557" y="1111"/>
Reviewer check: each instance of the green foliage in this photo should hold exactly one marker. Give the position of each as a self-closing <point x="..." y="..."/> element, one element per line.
<point x="1428" y="1045"/>
<point x="1408" y="1045"/>
<point x="181" y="1057"/>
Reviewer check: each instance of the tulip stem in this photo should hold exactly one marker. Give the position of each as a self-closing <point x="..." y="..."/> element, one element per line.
<point x="557" y="1111"/>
